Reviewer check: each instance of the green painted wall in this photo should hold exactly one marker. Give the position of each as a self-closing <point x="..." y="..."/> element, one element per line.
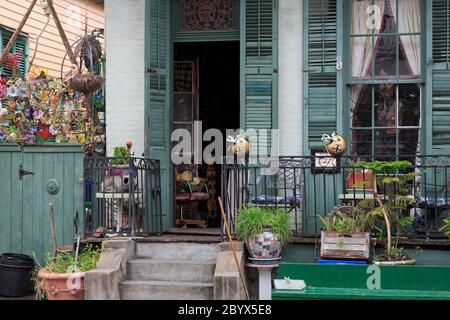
<point x="24" y="213"/>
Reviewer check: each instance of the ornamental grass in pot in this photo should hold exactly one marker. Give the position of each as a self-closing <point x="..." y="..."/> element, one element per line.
<point x="62" y="277"/>
<point x="265" y="232"/>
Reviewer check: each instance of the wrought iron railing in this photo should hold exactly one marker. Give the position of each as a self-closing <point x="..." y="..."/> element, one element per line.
<point x="312" y="187"/>
<point x="122" y="197"/>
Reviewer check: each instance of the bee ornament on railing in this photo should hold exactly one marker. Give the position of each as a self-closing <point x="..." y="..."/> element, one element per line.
<point x="336" y="145"/>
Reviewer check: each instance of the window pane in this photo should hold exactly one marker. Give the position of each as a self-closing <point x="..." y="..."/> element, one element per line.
<point x="408" y="16"/>
<point x="409" y="105"/>
<point x="360" y="16"/>
<point x="385" y="57"/>
<point x="408" y="141"/>
<point x="385" y="142"/>
<point x="385" y="105"/>
<point x="361" y="101"/>
<point x="361" y="142"/>
<point x="182" y="107"/>
<point x="362" y="52"/>
<point x="389" y="24"/>
<point x="409" y="56"/>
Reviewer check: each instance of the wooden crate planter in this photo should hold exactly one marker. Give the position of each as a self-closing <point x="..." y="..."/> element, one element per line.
<point x="335" y="245"/>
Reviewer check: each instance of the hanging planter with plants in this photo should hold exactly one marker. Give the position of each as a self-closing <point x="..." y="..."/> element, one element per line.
<point x="265" y="233"/>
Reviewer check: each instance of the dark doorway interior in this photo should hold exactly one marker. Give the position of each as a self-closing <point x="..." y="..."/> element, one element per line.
<point x="215" y="102"/>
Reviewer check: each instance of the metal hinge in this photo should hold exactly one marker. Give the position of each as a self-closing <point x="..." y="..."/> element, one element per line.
<point x="24" y="172"/>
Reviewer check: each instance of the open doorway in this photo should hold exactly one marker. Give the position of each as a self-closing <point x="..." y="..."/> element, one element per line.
<point x="206" y="89"/>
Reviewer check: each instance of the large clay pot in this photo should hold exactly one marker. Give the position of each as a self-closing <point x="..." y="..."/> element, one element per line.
<point x="264" y="248"/>
<point x="63" y="286"/>
<point x="358" y="177"/>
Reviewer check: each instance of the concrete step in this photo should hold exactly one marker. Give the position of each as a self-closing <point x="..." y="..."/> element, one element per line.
<point x="171" y="270"/>
<point x="165" y="290"/>
<point x="178" y="250"/>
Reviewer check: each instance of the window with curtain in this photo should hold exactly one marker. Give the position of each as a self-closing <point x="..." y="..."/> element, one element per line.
<point x="385" y="91"/>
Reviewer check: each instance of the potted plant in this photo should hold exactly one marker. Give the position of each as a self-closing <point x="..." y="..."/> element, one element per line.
<point x="62" y="277"/>
<point x="264" y="231"/>
<point x="387" y="208"/>
<point x="117" y="178"/>
<point x="356" y="175"/>
<point x="345" y="234"/>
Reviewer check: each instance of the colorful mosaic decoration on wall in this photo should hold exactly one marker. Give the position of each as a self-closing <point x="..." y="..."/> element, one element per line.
<point x="42" y="109"/>
<point x="205" y="15"/>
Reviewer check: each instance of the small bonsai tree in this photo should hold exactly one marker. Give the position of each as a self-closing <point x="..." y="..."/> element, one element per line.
<point x="389" y="176"/>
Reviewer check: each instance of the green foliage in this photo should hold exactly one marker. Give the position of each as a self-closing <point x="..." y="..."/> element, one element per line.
<point x="387" y="208"/>
<point x="346" y="224"/>
<point x="385" y="166"/>
<point x="121" y="156"/>
<point x="446" y="227"/>
<point x="252" y="220"/>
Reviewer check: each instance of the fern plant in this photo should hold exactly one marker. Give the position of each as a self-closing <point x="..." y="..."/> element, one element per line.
<point x="121" y="156"/>
<point x="446" y="227"/>
<point x="390" y="177"/>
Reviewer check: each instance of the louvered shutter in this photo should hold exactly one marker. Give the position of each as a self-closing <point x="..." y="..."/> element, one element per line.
<point x="320" y="74"/>
<point x="441" y="74"/>
<point x="258" y="71"/>
<point x="19" y="45"/>
<point x="157" y="106"/>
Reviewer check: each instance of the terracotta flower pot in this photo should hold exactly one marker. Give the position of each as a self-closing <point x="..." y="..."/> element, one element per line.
<point x="63" y="286"/>
<point x="358" y="177"/>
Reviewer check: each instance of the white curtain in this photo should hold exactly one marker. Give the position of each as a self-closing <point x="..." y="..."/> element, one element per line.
<point x="362" y="46"/>
<point x="409" y="22"/>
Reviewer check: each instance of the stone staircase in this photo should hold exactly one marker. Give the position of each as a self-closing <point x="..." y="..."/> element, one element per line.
<point x="170" y="271"/>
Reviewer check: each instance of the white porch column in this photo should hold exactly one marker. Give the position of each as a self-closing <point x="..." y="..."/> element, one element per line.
<point x="290" y="56"/>
<point x="125" y="74"/>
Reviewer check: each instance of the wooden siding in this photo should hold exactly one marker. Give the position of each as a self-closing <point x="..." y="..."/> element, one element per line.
<point x="72" y="14"/>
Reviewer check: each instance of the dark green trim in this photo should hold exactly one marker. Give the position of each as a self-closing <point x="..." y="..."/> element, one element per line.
<point x="207" y="36"/>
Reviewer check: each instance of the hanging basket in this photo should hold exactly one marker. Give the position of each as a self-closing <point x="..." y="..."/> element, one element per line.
<point x="86" y="83"/>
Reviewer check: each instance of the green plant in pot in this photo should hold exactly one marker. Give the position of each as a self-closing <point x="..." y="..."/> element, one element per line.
<point x="390" y="200"/>
<point x="62" y="276"/>
<point x="118" y="178"/>
<point x="264" y="231"/>
<point x="345" y="234"/>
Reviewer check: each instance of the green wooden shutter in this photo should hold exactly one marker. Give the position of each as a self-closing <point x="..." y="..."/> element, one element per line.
<point x="19" y="45"/>
<point x="320" y="52"/>
<point x="258" y="65"/>
<point x="441" y="75"/>
<point x="157" y="95"/>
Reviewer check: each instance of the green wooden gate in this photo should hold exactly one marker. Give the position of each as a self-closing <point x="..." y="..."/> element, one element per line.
<point x="31" y="177"/>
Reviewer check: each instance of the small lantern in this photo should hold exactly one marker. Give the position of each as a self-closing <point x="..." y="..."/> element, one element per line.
<point x="336" y="145"/>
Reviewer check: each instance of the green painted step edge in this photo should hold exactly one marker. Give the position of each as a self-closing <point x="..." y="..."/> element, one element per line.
<point x="366" y="294"/>
<point x="417" y="277"/>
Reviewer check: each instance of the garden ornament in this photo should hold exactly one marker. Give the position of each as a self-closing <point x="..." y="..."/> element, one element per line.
<point x="240" y="145"/>
<point x="336" y="145"/>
